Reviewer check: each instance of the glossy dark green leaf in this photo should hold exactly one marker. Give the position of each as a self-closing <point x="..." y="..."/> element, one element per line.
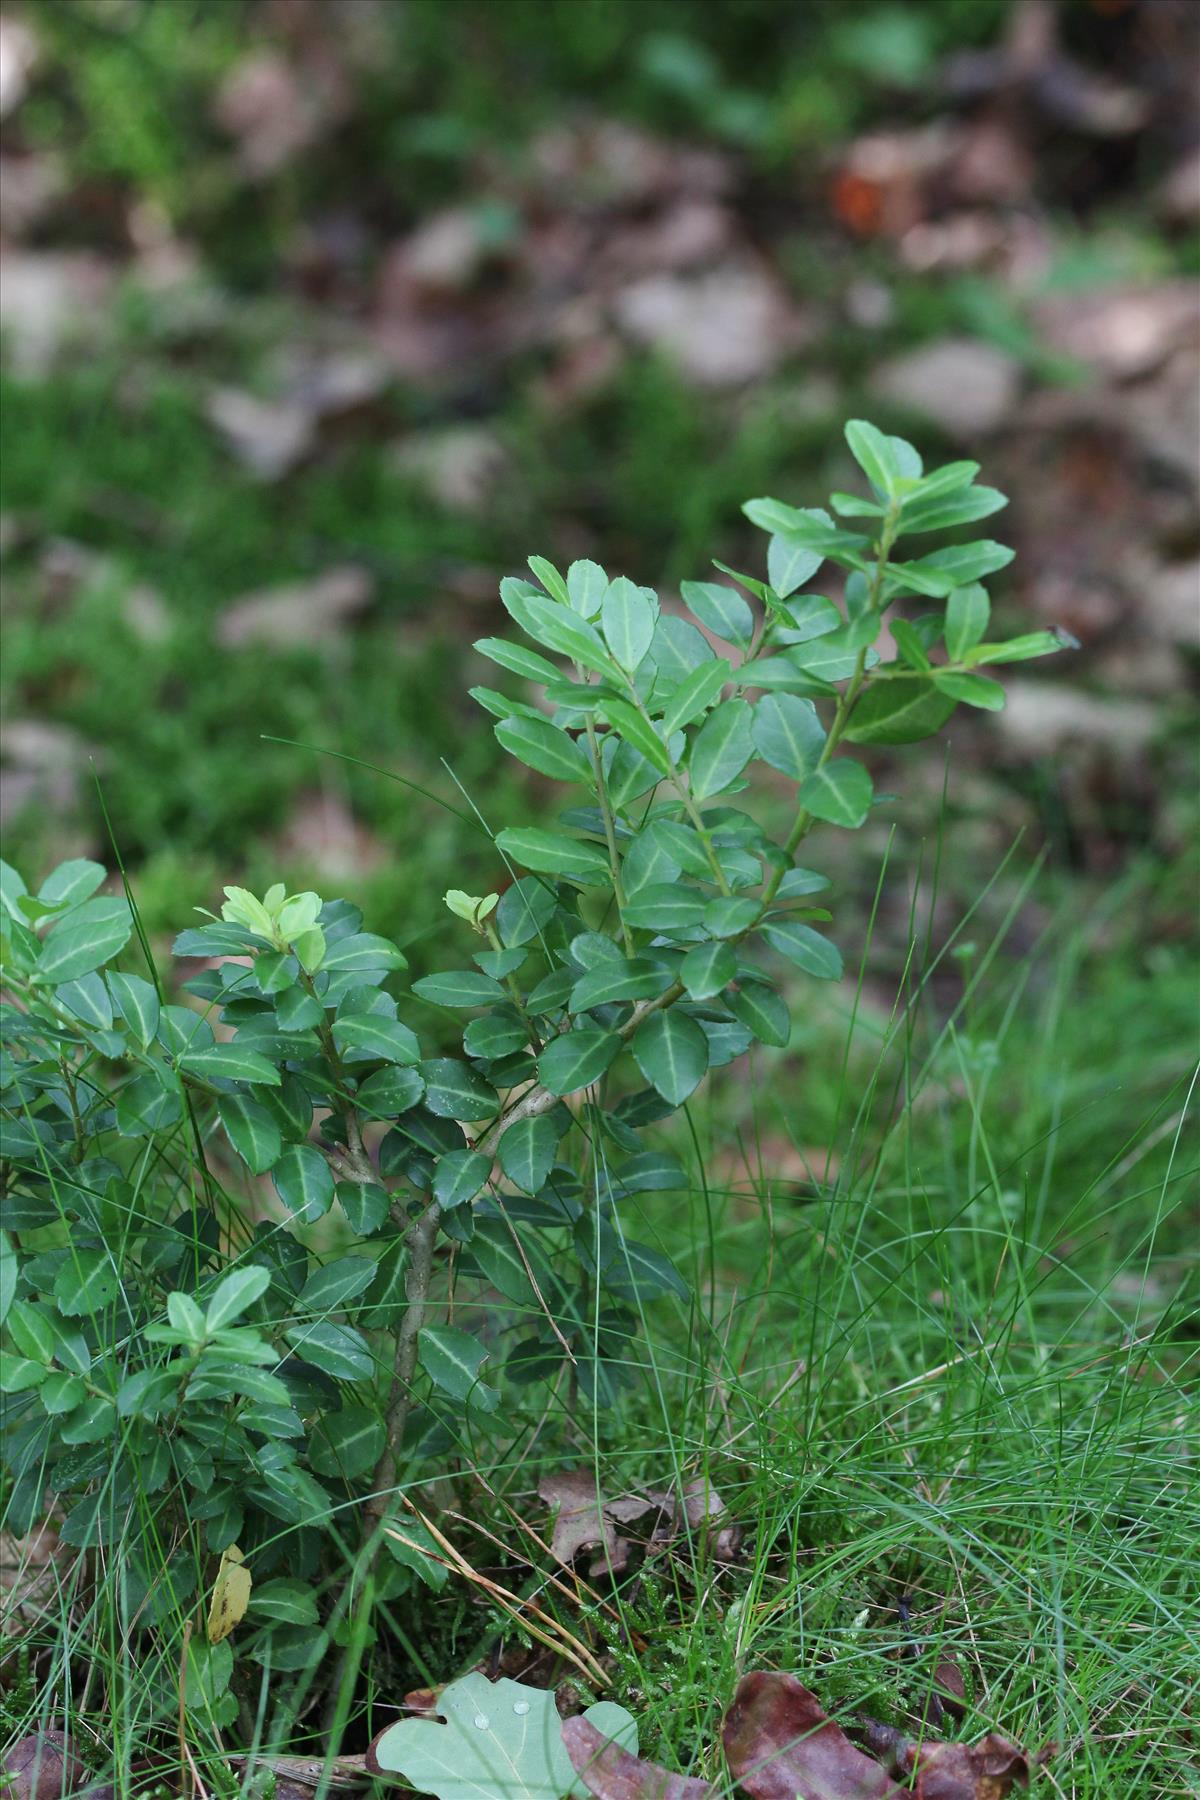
<point x="231" y="1062"/>
<point x="303" y="1181"/>
<point x="956" y="566"/>
<point x="374" y="1037"/>
<point x="389" y="1091"/>
<point x="527" y="1150"/>
<point x="337" y="1350"/>
<point x="708" y="968"/>
<point x="453" y="1090"/>
<point x="721" y="748"/>
<point x="458" y="1176"/>
<point x="87" y="937"/>
<point x="761" y="1010"/>
<point x="628" y="615"/>
<point x="343" y="1444"/>
<point x="672" y="1053"/>
<point x="805" y="947"/>
<point x="664" y="906"/>
<point x="519" y="659"/>
<point x="635" y="978"/>
<point x="790" y="563"/>
<point x="459" y="988"/>
<point x="553" y="853"/>
<point x="525" y="910"/>
<point x="251" y="1130"/>
<point x="577" y="1058"/>
<point x="453" y="1359"/>
<point x="639" y="733"/>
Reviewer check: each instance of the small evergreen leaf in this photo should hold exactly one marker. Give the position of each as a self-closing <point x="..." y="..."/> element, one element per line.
<point x="875" y="455"/>
<point x="230" y="1062"/>
<point x="762" y="1011"/>
<point x="454" y="1091"/>
<point x="336" y="1350"/>
<point x="968" y="610"/>
<point x="619" y="980"/>
<point x="87" y="937"/>
<point x="972" y="690"/>
<point x="542" y="746"/>
<point x="721" y="609"/>
<point x="233" y="1295"/>
<point x="344" y="1445"/>
<point x="629" y="615"/>
<point x="458" y="1176"/>
<point x="527" y="1149"/>
<point x="898" y="712"/>
<point x="957" y="566"/>
<point x="459" y="988"/>
<point x="251" y="1130"/>
<point x="303" y="1181"/>
<point x="695" y="694"/>
<point x="788" y="734"/>
<point x="453" y="1359"/>
<point x="790" y="564"/>
<point x="672" y="1053"/>
<point x="552" y="853"/>
<point x="665" y="906"/>
<point x="721" y="748"/>
<point x="840" y="793"/>
<point x="707" y="969"/>
<point x="374" y="1037"/>
<point x="518" y="659"/>
<point x="639" y="733"/>
<point x="362" y="950"/>
<point x="577" y="1058"/>
<point x="137" y="1002"/>
<point x="587" y="584"/>
<point x="805" y="947"/>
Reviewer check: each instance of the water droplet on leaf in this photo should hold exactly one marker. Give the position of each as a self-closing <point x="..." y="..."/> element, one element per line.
<point x="521" y="1707"/>
<point x="482" y="1721"/>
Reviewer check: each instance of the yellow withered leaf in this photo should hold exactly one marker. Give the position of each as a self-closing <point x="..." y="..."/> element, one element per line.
<point x="230" y="1595"/>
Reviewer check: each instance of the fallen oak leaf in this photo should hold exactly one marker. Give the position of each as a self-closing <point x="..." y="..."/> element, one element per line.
<point x="611" y="1773"/>
<point x="780" y="1742"/>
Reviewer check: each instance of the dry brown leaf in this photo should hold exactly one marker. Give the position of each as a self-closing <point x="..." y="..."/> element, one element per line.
<point x="780" y="1742"/>
<point x="611" y="1773"/>
<point x="32" y="1570"/>
<point x="962" y="384"/>
<point x="42" y="1766"/>
<point x="303" y="612"/>
<point x="580" y="1522"/>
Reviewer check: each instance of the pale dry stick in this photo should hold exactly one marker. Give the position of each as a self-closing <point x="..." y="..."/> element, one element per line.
<point x="583" y="1589"/>
<point x="554" y="1635"/>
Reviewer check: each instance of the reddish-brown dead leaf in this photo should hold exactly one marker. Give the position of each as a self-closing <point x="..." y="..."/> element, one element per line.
<point x="613" y="1774"/>
<point x="41" y="1766"/>
<point x="780" y="1742"/>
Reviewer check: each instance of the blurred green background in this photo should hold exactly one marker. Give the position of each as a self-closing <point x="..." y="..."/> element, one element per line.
<point x="318" y="316"/>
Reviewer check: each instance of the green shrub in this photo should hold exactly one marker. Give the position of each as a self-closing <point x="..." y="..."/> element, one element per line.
<point x="233" y="1374"/>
